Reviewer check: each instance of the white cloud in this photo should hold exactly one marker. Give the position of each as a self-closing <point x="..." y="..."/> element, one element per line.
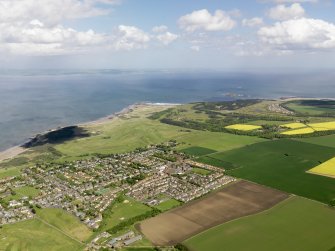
<point x="167" y="38"/>
<point x="34" y="38"/>
<point x="159" y="29"/>
<point x="204" y="20"/>
<point x="130" y="37"/>
<point x="195" y="48"/>
<point x="252" y="22"/>
<point x="50" y="12"/>
<point x="299" y="34"/>
<point x="281" y="12"/>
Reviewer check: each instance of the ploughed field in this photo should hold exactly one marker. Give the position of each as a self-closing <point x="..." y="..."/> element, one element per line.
<point x="234" y="201"/>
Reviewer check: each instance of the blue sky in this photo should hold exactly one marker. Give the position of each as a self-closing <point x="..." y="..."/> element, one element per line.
<point x="216" y="34"/>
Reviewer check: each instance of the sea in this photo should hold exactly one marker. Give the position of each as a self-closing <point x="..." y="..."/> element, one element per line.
<point x="33" y="101"/>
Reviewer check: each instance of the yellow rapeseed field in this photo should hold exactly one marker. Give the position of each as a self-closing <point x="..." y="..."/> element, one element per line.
<point x="309" y="128"/>
<point x="305" y="130"/>
<point x="243" y="127"/>
<point x="294" y="125"/>
<point x="325" y="126"/>
<point x="327" y="168"/>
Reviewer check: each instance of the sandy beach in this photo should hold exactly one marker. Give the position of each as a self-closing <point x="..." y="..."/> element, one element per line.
<point x="11" y="152"/>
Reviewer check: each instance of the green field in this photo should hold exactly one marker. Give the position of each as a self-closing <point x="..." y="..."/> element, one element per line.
<point x="282" y="164"/>
<point x="197" y="151"/>
<point x="122" y="135"/>
<point x="23" y="191"/>
<point x="127" y="209"/>
<point x="311" y="107"/>
<point x="32" y="235"/>
<point x="65" y="222"/>
<point x="295" y="224"/>
<point x="168" y="204"/>
<point x="328" y="140"/>
<point x="200" y="171"/>
<point x="215" y="161"/>
<point x="9" y="172"/>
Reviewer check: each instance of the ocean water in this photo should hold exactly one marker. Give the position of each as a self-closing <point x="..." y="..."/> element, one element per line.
<point x="35" y="101"/>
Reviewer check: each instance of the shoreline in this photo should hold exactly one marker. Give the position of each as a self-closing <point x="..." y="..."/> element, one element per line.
<point x="14" y="151"/>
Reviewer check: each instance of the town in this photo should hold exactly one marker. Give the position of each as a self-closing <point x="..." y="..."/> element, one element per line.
<point x="86" y="187"/>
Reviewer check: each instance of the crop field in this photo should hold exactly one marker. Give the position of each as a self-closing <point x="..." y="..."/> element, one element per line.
<point x="328" y="140"/>
<point x="236" y="200"/>
<point x="293" y="125"/>
<point x="312" y="107"/>
<point x="294" y="224"/>
<point x="197" y="151"/>
<point x="323" y="126"/>
<point x="66" y="222"/>
<point x="282" y="164"/>
<point x="305" y="130"/>
<point x="310" y="128"/>
<point x="327" y="168"/>
<point x="33" y="235"/>
<point x="243" y="127"/>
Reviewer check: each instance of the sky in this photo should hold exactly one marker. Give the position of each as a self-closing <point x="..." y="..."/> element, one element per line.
<point x="167" y="34"/>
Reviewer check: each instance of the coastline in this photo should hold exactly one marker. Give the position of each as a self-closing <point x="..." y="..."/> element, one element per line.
<point x="17" y="150"/>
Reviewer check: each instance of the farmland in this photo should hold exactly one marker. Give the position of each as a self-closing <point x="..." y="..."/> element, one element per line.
<point x="311" y="107"/>
<point x="327" y="168"/>
<point x="307" y="225"/>
<point x="328" y="140"/>
<point x="280" y="164"/>
<point x="234" y="201"/>
<point x="293" y="125"/>
<point x="243" y="127"/>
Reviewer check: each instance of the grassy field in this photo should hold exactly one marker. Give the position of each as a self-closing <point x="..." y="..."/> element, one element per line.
<point x="322" y="141"/>
<point x="168" y="204"/>
<point x="127" y="209"/>
<point x="126" y="134"/>
<point x="23" y="191"/>
<point x="295" y="224"/>
<point x="9" y="172"/>
<point x="201" y="171"/>
<point x="216" y="141"/>
<point x="34" y="235"/>
<point x="282" y="164"/>
<point x="65" y="222"/>
<point x="306" y="109"/>
<point x="197" y="151"/>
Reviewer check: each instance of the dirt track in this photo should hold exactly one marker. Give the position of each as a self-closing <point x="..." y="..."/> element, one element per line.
<point x="239" y="199"/>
